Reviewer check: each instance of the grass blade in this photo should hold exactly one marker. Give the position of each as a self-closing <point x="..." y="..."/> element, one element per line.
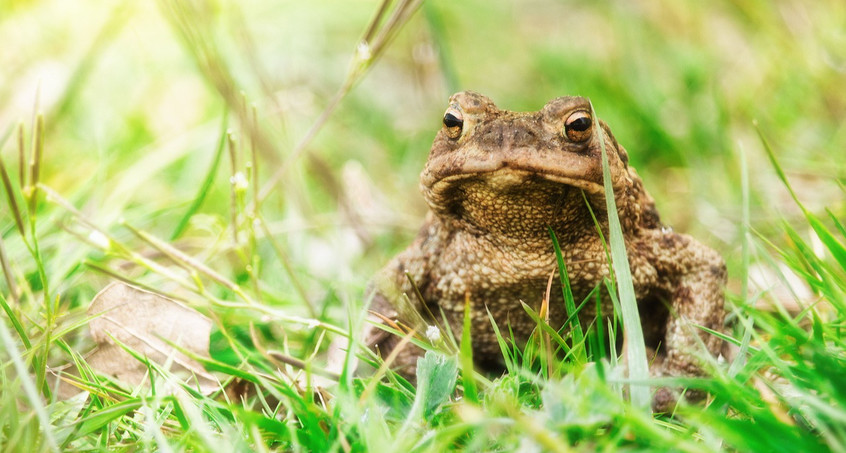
<point x="108" y="415"/>
<point x="15" y="322"/>
<point x="569" y="301"/>
<point x="7" y="274"/>
<point x="740" y="359"/>
<point x="835" y="247"/>
<point x="633" y="333"/>
<point x="207" y="183"/>
<point x="10" y="194"/>
<point x="30" y="389"/>
<point x="35" y="164"/>
<point x="466" y="358"/>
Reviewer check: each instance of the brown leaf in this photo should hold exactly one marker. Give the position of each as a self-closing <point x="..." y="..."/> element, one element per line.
<point x="146" y="322"/>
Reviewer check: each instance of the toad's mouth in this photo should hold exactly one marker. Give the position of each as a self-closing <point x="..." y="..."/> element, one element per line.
<point x="507" y="180"/>
<point x="504" y="169"/>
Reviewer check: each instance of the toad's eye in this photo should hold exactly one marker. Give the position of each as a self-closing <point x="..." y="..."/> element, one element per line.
<point x="453" y="123"/>
<point x="578" y="126"/>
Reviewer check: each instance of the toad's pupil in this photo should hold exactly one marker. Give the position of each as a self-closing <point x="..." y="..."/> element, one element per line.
<point x="451" y="120"/>
<point x="579" y="124"/>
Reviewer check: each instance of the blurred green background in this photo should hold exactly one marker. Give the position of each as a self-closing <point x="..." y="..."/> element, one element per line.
<point x="134" y="95"/>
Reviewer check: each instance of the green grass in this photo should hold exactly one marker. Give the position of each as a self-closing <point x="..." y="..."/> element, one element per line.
<point x="253" y="161"/>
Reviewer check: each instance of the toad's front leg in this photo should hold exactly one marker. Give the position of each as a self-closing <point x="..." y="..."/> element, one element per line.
<point x="693" y="277"/>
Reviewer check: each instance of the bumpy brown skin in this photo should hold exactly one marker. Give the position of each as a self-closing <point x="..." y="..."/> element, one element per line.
<point x="493" y="186"/>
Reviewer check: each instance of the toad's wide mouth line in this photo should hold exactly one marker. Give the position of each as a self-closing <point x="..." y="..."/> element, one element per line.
<point x="512" y="177"/>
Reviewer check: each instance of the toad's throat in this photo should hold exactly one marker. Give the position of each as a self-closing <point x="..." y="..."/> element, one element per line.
<point x="511" y="205"/>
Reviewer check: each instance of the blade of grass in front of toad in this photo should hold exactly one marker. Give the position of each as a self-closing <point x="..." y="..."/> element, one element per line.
<point x="633" y="333"/>
<point x="468" y="380"/>
<point x="569" y="302"/>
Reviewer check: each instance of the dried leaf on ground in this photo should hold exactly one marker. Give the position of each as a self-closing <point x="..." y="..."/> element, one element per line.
<point x="151" y="325"/>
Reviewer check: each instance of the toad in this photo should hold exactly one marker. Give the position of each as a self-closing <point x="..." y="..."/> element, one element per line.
<point x="496" y="181"/>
